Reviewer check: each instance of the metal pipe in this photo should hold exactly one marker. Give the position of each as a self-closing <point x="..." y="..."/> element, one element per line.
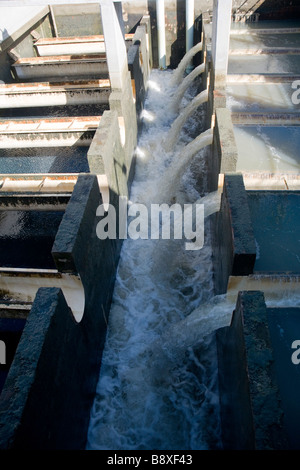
<point x="189" y="24"/>
<point x="161" y="33"/>
<point x="189" y="18"/>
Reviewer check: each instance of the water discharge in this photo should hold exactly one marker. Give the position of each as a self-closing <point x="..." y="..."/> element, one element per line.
<point x="179" y="72"/>
<point x="184" y="86"/>
<point x="158" y="385"/>
<point x="173" y="134"/>
<point x="170" y="177"/>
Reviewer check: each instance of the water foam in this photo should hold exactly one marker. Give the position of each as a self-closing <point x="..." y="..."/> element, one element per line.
<point x="158" y="385"/>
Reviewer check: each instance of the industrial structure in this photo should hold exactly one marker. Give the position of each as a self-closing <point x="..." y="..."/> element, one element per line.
<point x="74" y="80"/>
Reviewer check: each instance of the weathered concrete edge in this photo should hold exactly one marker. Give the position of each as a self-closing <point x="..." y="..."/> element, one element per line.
<point x="72" y="237"/>
<point x="26" y="366"/>
<point x="234" y="248"/>
<point x="24" y="29"/>
<point x="224" y="140"/>
<point x="244" y="248"/>
<point x="106" y="156"/>
<point x="251" y="411"/>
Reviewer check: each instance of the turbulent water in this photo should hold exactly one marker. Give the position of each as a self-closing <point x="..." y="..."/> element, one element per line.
<point x="158" y="385"/>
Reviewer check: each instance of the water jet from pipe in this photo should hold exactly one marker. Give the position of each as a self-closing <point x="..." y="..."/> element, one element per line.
<point x="178" y="74"/>
<point x="181" y="119"/>
<point x="184" y="86"/>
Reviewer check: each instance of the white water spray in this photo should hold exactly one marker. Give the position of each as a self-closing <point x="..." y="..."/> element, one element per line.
<point x="149" y="395"/>
<point x="178" y="74"/>
<point x="177" y="98"/>
<point x="174" y="132"/>
<point x="171" y="176"/>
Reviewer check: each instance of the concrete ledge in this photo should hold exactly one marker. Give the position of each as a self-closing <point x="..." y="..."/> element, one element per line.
<point x="70" y="245"/>
<point x="251" y="412"/>
<point x="106" y="156"/>
<point x="23" y="95"/>
<point x="224" y="141"/>
<point x="50" y="387"/>
<point x="234" y="249"/>
<point x="137" y="79"/>
<point x="122" y="102"/>
<point x="61" y="67"/>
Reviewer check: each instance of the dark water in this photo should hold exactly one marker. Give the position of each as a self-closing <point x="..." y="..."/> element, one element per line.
<point x="276" y="223"/>
<point x="27" y="237"/>
<point x="55" y="111"/>
<point x="44" y="160"/>
<point x="284" y="325"/>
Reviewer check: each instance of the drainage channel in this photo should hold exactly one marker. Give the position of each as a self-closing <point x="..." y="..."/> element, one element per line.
<point x="158" y="382"/>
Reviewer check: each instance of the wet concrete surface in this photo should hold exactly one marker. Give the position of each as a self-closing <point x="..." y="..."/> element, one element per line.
<point x="27" y="237"/>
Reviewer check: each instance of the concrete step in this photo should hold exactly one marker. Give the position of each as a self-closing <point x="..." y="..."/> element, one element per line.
<point x="274" y="287"/>
<point x="259" y="31"/>
<point x="50" y="132"/>
<point x="265" y="50"/>
<point x="38" y="183"/>
<point x="23" y="95"/>
<point x="21" y="285"/>
<point x="62" y="67"/>
<point x="74" y="45"/>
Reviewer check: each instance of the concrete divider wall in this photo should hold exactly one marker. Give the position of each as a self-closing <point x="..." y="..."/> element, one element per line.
<point x="137" y="80"/>
<point x="22" y="43"/>
<point x="224" y="149"/>
<point x="106" y="156"/>
<point x="251" y="411"/>
<point x="122" y="102"/>
<point x="142" y="38"/>
<point x="234" y="249"/>
<point x="49" y="391"/>
<point x="46" y="390"/>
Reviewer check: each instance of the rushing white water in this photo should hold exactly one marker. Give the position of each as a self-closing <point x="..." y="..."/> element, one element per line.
<point x="179" y="72"/>
<point x="158" y="385"/>
<point x="170" y="177"/>
<point x="180" y="91"/>
<point x="173" y="134"/>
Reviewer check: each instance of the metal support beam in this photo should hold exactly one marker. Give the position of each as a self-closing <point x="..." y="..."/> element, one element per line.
<point x="161" y="32"/>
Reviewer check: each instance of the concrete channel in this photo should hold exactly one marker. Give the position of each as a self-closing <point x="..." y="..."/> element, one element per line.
<point x="57" y="277"/>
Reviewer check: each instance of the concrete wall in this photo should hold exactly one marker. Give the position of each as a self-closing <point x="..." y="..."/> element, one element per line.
<point x="251" y="412"/>
<point x="234" y="249"/>
<point x="55" y="370"/>
<point x="106" y="156"/>
<point x="22" y="43"/>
